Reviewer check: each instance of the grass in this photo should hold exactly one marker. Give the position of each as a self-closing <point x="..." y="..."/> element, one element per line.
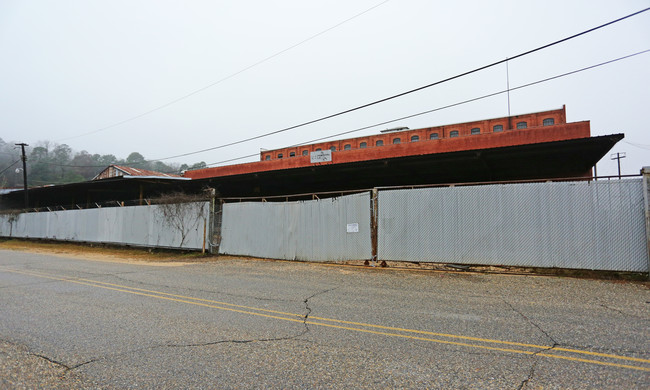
<point x="103" y="250"/>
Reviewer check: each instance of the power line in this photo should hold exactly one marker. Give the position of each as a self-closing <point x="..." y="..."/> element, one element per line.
<point x="388" y="121"/>
<point x="407" y="92"/>
<point x="225" y="78"/>
<point x="12" y="164"/>
<point x="458" y="104"/>
<point x="640" y="146"/>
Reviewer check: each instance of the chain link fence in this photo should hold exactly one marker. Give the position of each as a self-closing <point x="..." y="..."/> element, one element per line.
<point x="582" y="225"/>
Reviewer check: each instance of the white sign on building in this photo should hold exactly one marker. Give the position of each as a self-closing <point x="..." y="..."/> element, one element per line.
<point x="320" y="156"/>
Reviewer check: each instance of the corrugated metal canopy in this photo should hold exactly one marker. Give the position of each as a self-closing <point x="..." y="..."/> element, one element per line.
<point x="560" y="159"/>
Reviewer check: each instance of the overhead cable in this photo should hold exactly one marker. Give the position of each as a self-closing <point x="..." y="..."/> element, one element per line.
<point x="451" y="105"/>
<point x="225" y="78"/>
<point x="401" y="118"/>
<point x="12" y="164"/>
<point x="510" y="58"/>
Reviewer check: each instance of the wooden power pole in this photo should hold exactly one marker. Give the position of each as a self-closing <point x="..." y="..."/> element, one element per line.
<point x="22" y="146"/>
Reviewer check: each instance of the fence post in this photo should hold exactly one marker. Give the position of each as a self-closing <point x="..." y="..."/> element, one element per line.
<point x="214" y="224"/>
<point x="374" y="214"/>
<point x="645" y="171"/>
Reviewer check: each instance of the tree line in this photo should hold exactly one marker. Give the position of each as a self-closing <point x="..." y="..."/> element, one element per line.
<point x="52" y="163"/>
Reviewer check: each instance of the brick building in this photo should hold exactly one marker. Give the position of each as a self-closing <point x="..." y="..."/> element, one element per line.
<point x="519" y="130"/>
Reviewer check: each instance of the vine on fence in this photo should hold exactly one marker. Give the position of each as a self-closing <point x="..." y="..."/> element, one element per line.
<point x="10" y="216"/>
<point x="181" y="211"/>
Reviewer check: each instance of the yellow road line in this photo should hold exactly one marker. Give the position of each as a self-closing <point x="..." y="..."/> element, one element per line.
<point x="381" y="326"/>
<point x="300" y="319"/>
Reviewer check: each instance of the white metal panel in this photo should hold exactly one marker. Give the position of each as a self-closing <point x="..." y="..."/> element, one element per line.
<point x="308" y="230"/>
<point x="587" y="225"/>
<point x="137" y="225"/>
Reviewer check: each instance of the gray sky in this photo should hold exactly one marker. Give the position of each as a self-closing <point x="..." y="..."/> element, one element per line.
<point x="70" y="68"/>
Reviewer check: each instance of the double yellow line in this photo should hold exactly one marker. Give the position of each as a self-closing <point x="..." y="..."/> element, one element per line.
<point x="575" y="355"/>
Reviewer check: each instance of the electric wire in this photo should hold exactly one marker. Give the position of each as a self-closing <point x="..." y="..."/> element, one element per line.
<point x="409" y="91"/>
<point x="232" y="75"/>
<point x="451" y="105"/>
<point x="396" y="119"/>
<point x="640" y="146"/>
<point x="7" y="168"/>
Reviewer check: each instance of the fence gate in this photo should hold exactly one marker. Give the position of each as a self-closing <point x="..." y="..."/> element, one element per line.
<point x="332" y="229"/>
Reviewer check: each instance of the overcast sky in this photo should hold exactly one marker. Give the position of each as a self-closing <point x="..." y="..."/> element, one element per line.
<point x="72" y="70"/>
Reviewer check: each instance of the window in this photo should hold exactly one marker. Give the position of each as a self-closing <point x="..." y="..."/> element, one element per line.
<point x="279" y="155"/>
<point x="268" y="157"/>
<point x="363" y="145"/>
<point x="434" y="136"/>
<point x="318" y="149"/>
<point x="548" y="122"/>
<point x="475" y="131"/>
<point x="347" y="147"/>
<point x="497" y="128"/>
<point x="522" y="125"/>
<point x="397" y="141"/>
<point x="379" y="143"/>
<point x="305" y="152"/>
<point x="292" y="154"/>
<point x="415" y="138"/>
<point x="333" y="148"/>
<point x="453" y="134"/>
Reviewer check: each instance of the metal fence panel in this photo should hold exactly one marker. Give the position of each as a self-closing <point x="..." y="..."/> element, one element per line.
<point x="169" y="226"/>
<point x="586" y="225"/>
<point x="316" y="230"/>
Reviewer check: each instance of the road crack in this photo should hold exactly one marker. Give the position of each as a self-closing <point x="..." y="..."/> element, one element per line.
<point x="308" y="308"/>
<point x="555" y="343"/>
<point x="531" y="372"/>
<point x="622" y="312"/>
<point x="56" y="362"/>
<point x="535" y="356"/>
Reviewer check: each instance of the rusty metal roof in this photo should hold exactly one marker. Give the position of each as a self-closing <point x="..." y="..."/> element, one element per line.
<point x="130" y="171"/>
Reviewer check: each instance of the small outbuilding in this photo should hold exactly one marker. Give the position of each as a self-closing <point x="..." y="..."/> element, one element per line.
<point x="121" y="171"/>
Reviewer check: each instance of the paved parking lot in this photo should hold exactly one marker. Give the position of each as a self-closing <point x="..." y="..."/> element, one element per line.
<point x="235" y="323"/>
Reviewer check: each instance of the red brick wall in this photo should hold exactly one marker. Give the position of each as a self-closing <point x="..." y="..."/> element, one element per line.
<point x="533" y="134"/>
<point x="464" y="129"/>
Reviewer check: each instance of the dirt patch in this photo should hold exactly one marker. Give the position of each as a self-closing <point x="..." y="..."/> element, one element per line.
<point x="99" y="252"/>
<point x="161" y="257"/>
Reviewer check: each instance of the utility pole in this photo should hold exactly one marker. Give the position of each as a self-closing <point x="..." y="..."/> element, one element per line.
<point x="618" y="157"/>
<point x="22" y="146"/>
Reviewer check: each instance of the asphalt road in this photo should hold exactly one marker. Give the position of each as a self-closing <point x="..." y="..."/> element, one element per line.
<point x="70" y="323"/>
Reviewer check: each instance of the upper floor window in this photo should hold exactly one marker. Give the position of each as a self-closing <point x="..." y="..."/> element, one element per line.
<point x="318" y="149"/>
<point x="434" y="136"/>
<point x="379" y="143"/>
<point x="363" y="145"/>
<point x="415" y="138"/>
<point x="279" y="155"/>
<point x="397" y="141"/>
<point x="475" y="131"/>
<point x="497" y="128"/>
<point x="292" y="154"/>
<point x="268" y="157"/>
<point x="548" y="122"/>
<point x="347" y="147"/>
<point x="522" y="125"/>
<point x="333" y="148"/>
<point x="305" y="152"/>
<point x="453" y="134"/>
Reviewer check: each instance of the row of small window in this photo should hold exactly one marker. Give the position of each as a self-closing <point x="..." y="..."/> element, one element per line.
<point x="416" y="138"/>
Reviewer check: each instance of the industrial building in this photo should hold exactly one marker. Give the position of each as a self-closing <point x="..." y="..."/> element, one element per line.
<point x="534" y="146"/>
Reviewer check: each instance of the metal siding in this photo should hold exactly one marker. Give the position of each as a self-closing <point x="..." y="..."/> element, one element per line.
<point x="588" y="225"/>
<point x="308" y="230"/>
<point x="138" y="225"/>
